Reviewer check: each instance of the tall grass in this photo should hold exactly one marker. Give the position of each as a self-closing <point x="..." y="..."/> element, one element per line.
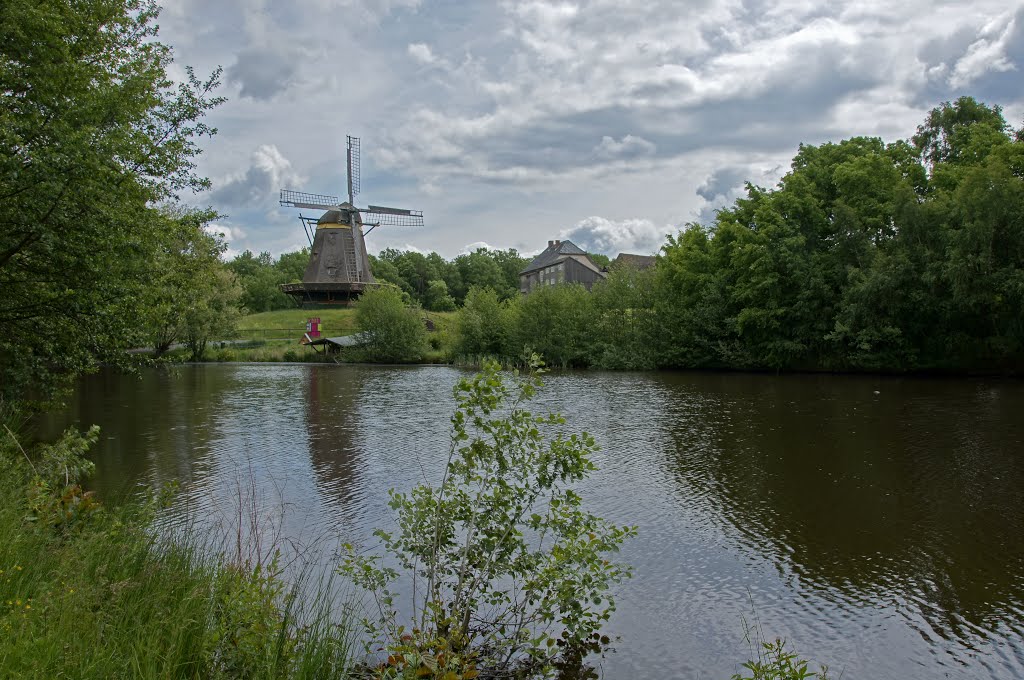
<point x="99" y="592"/>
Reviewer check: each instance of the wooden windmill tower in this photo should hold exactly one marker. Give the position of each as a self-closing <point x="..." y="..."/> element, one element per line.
<point x="339" y="268"/>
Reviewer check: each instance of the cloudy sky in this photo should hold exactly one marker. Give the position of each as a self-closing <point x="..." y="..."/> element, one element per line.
<point x="608" y="122"/>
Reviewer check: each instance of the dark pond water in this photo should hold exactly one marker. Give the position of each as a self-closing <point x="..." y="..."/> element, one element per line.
<point x="875" y="523"/>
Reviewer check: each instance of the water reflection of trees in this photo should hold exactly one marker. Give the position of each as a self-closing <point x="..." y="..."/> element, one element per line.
<point x="154" y="425"/>
<point x="332" y="415"/>
<point x="908" y="496"/>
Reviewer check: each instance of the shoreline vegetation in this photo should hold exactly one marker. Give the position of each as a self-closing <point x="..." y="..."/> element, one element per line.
<point x="902" y="257"/>
<point x="868" y="257"/>
<point x="90" y="589"/>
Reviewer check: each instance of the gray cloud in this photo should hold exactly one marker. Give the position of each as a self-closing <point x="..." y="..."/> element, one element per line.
<point x="628" y="146"/>
<point x="264" y="73"/>
<point x="722" y="183"/>
<point x="267" y="174"/>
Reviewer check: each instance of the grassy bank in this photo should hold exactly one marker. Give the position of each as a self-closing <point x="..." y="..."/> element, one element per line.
<point x="291" y="323"/>
<point x="333" y="322"/>
<point x="275" y="337"/>
<point x="88" y="591"/>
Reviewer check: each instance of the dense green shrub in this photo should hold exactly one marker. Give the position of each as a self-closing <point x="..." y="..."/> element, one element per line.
<point x="391" y="330"/>
<point x="624" y="326"/>
<point x="483" y="325"/>
<point x="557" y="322"/>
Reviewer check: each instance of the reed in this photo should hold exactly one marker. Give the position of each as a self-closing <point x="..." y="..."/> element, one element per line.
<point x="111" y="594"/>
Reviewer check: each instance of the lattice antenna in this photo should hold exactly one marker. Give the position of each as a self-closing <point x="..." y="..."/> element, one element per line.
<point x="353" y="168"/>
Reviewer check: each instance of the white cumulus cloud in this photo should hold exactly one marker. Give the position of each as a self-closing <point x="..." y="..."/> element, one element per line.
<point x="422" y="53"/>
<point x="475" y="246"/>
<point x="611" y="237"/>
<point x="268" y="172"/>
<point x="986" y="54"/>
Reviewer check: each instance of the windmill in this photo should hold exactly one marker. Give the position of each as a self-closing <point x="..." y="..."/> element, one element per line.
<point x="339" y="269"/>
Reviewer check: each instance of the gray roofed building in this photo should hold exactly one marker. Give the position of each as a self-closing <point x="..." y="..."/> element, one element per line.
<point x="634" y="261"/>
<point x="560" y="262"/>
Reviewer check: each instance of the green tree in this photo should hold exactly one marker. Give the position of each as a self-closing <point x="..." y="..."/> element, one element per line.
<point x="392" y="331"/>
<point x="693" y="323"/>
<point x="260" y="280"/>
<point x="437" y="299"/>
<point x="866" y="255"/>
<point x="483" y="270"/>
<point x="385" y="271"/>
<point x="511" y="263"/>
<point x="510" y="575"/>
<point x="483" y="326"/>
<point x="960" y="133"/>
<point x="215" y="316"/>
<point x="192" y="286"/>
<point x="292" y="266"/>
<point x="558" y="322"/>
<point x="624" y="322"/>
<point x="248" y="263"/>
<point x="93" y="132"/>
<point x="601" y="260"/>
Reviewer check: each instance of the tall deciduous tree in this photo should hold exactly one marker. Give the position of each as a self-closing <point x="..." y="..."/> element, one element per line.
<point x="93" y="133"/>
<point x="193" y="295"/>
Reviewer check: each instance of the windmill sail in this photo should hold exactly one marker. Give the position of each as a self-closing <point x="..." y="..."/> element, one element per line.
<point x="300" y="199"/>
<point x="377" y="216"/>
<point x="353" y="168"/>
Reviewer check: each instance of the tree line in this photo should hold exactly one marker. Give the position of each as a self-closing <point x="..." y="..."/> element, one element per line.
<point x="866" y="256"/>
<point x="426" y="280"/>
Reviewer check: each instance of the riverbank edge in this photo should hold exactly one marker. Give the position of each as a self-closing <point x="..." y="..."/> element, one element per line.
<point x="473" y="365"/>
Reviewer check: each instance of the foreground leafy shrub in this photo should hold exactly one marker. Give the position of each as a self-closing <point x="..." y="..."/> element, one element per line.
<point x="510" y="574"/>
